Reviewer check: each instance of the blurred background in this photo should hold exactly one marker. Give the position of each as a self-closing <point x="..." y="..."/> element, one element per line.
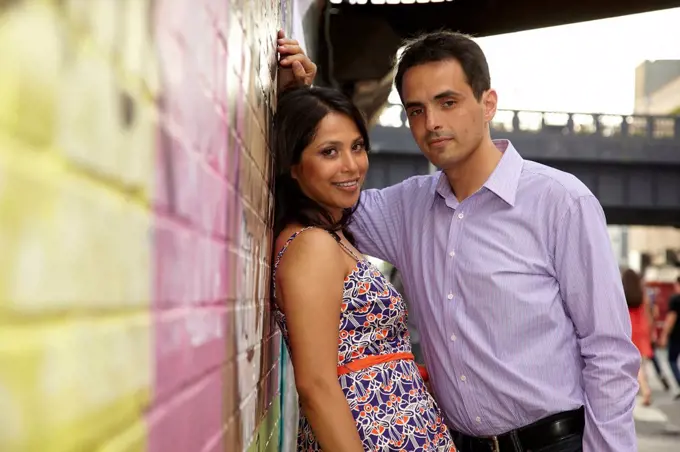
<point x="135" y="198"/>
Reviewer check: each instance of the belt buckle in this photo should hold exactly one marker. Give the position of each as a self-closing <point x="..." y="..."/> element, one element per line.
<point x="494" y="441"/>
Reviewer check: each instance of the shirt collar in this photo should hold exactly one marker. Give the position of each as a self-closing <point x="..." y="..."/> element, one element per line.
<point x="505" y="178"/>
<point x="503" y="181"/>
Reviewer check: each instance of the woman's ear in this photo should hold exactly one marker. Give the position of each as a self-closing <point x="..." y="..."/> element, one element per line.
<point x="294" y="172"/>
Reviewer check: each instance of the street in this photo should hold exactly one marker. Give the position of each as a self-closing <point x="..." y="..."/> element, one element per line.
<point x="658" y="426"/>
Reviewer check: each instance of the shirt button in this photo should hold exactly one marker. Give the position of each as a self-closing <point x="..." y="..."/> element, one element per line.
<point x="460" y="215"/>
<point x="452" y="253"/>
<point x="453" y="337"/>
<point x="463" y="378"/>
<point x="450" y="296"/>
<point x="478" y="419"/>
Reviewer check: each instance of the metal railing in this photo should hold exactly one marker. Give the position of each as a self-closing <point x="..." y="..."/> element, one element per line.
<point x="644" y="126"/>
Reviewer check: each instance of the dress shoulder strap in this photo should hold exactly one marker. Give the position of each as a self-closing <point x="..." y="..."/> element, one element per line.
<point x="345" y="247"/>
<point x="279" y="255"/>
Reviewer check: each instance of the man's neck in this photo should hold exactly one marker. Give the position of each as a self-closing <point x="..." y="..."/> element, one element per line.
<point x="469" y="176"/>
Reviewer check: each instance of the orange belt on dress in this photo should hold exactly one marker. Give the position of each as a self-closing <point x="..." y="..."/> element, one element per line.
<point x="373" y="360"/>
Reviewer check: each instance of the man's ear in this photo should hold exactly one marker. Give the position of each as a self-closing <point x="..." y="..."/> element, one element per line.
<point x="490" y="102"/>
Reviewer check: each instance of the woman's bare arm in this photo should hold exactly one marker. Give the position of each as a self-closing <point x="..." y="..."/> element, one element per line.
<point x="310" y="280"/>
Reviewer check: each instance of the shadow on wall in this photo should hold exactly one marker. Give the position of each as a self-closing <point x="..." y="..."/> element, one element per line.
<point x="135" y="207"/>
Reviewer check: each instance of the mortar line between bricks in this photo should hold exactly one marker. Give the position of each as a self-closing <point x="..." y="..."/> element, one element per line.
<point x="254" y="389"/>
<point x="252" y="348"/>
<point x="180" y="391"/>
<point x="245" y="353"/>
<point x="230" y="422"/>
<point x="260" y="171"/>
<point x="165" y="306"/>
<point x="171" y="217"/>
<point x="84" y="41"/>
<point x="250" y="206"/>
<point x="253" y="394"/>
<point x="271" y="432"/>
<point x="211" y="443"/>
<point x="259" y="421"/>
<point x="174" y="131"/>
<point x="245" y="253"/>
<point x="54" y="157"/>
<point x="176" y="220"/>
<point x="175" y="397"/>
<point x="76" y="313"/>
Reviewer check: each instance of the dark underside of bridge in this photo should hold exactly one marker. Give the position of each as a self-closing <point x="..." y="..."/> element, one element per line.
<point x="355" y="44"/>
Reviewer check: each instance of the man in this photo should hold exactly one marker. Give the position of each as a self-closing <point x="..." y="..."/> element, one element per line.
<point x="670" y="335"/>
<point x="508" y="266"/>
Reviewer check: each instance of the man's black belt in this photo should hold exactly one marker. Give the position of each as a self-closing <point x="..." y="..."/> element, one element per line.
<point x="542" y="433"/>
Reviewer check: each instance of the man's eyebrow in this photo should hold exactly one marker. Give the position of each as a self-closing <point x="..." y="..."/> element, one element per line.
<point x="443" y="94"/>
<point x="448" y="93"/>
<point x="412" y="104"/>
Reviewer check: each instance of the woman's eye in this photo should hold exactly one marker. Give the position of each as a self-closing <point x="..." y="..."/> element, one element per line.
<point x="328" y="152"/>
<point x="360" y="146"/>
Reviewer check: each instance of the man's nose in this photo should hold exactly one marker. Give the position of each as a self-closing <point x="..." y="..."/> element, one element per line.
<point x="432" y="122"/>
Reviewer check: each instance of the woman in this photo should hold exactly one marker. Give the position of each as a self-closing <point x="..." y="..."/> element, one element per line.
<point x="641" y="323"/>
<point x="654" y="312"/>
<point x="343" y="322"/>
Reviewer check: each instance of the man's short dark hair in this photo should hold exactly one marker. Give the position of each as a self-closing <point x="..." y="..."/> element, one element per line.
<point x="442" y="46"/>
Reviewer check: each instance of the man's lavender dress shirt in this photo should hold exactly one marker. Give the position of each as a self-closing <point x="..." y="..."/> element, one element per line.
<point x="518" y="298"/>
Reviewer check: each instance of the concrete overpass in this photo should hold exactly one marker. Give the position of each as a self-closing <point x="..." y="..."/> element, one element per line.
<point x="354" y="41"/>
<point x="631" y="163"/>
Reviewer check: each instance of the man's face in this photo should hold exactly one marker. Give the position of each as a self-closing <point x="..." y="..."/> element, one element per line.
<point x="446" y="119"/>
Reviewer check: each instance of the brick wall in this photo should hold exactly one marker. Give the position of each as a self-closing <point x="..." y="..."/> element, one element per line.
<point x="134" y="227"/>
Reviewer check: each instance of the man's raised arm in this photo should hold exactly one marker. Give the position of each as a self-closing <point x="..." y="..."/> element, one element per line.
<point x="378" y="223"/>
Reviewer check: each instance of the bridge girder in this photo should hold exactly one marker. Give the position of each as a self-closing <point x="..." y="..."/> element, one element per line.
<point x="355" y="44"/>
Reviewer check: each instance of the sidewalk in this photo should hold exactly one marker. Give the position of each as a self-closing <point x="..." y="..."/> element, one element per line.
<point x="658" y="426"/>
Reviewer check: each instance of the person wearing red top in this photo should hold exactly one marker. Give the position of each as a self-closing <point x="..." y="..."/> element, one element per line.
<point x="641" y="323"/>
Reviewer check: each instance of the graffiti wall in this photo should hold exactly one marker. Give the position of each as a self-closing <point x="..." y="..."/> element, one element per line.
<point x="135" y="207"/>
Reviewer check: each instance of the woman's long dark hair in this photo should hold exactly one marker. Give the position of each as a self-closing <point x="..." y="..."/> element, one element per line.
<point x="632" y="288"/>
<point x="297" y="119"/>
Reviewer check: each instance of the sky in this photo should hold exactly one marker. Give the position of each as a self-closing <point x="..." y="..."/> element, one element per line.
<point x="587" y="67"/>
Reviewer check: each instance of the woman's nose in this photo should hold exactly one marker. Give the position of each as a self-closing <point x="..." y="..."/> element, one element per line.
<point x="350" y="162"/>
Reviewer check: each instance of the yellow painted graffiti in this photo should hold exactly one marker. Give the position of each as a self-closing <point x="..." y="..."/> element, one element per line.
<point x="77" y="139"/>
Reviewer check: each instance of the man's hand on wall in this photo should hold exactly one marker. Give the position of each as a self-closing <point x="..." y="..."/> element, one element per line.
<point x="295" y="68"/>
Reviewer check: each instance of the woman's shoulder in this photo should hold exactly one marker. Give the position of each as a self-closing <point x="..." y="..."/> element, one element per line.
<point x="306" y="243"/>
<point x="308" y="260"/>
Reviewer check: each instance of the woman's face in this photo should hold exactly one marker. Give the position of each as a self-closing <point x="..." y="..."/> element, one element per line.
<point x="333" y="166"/>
